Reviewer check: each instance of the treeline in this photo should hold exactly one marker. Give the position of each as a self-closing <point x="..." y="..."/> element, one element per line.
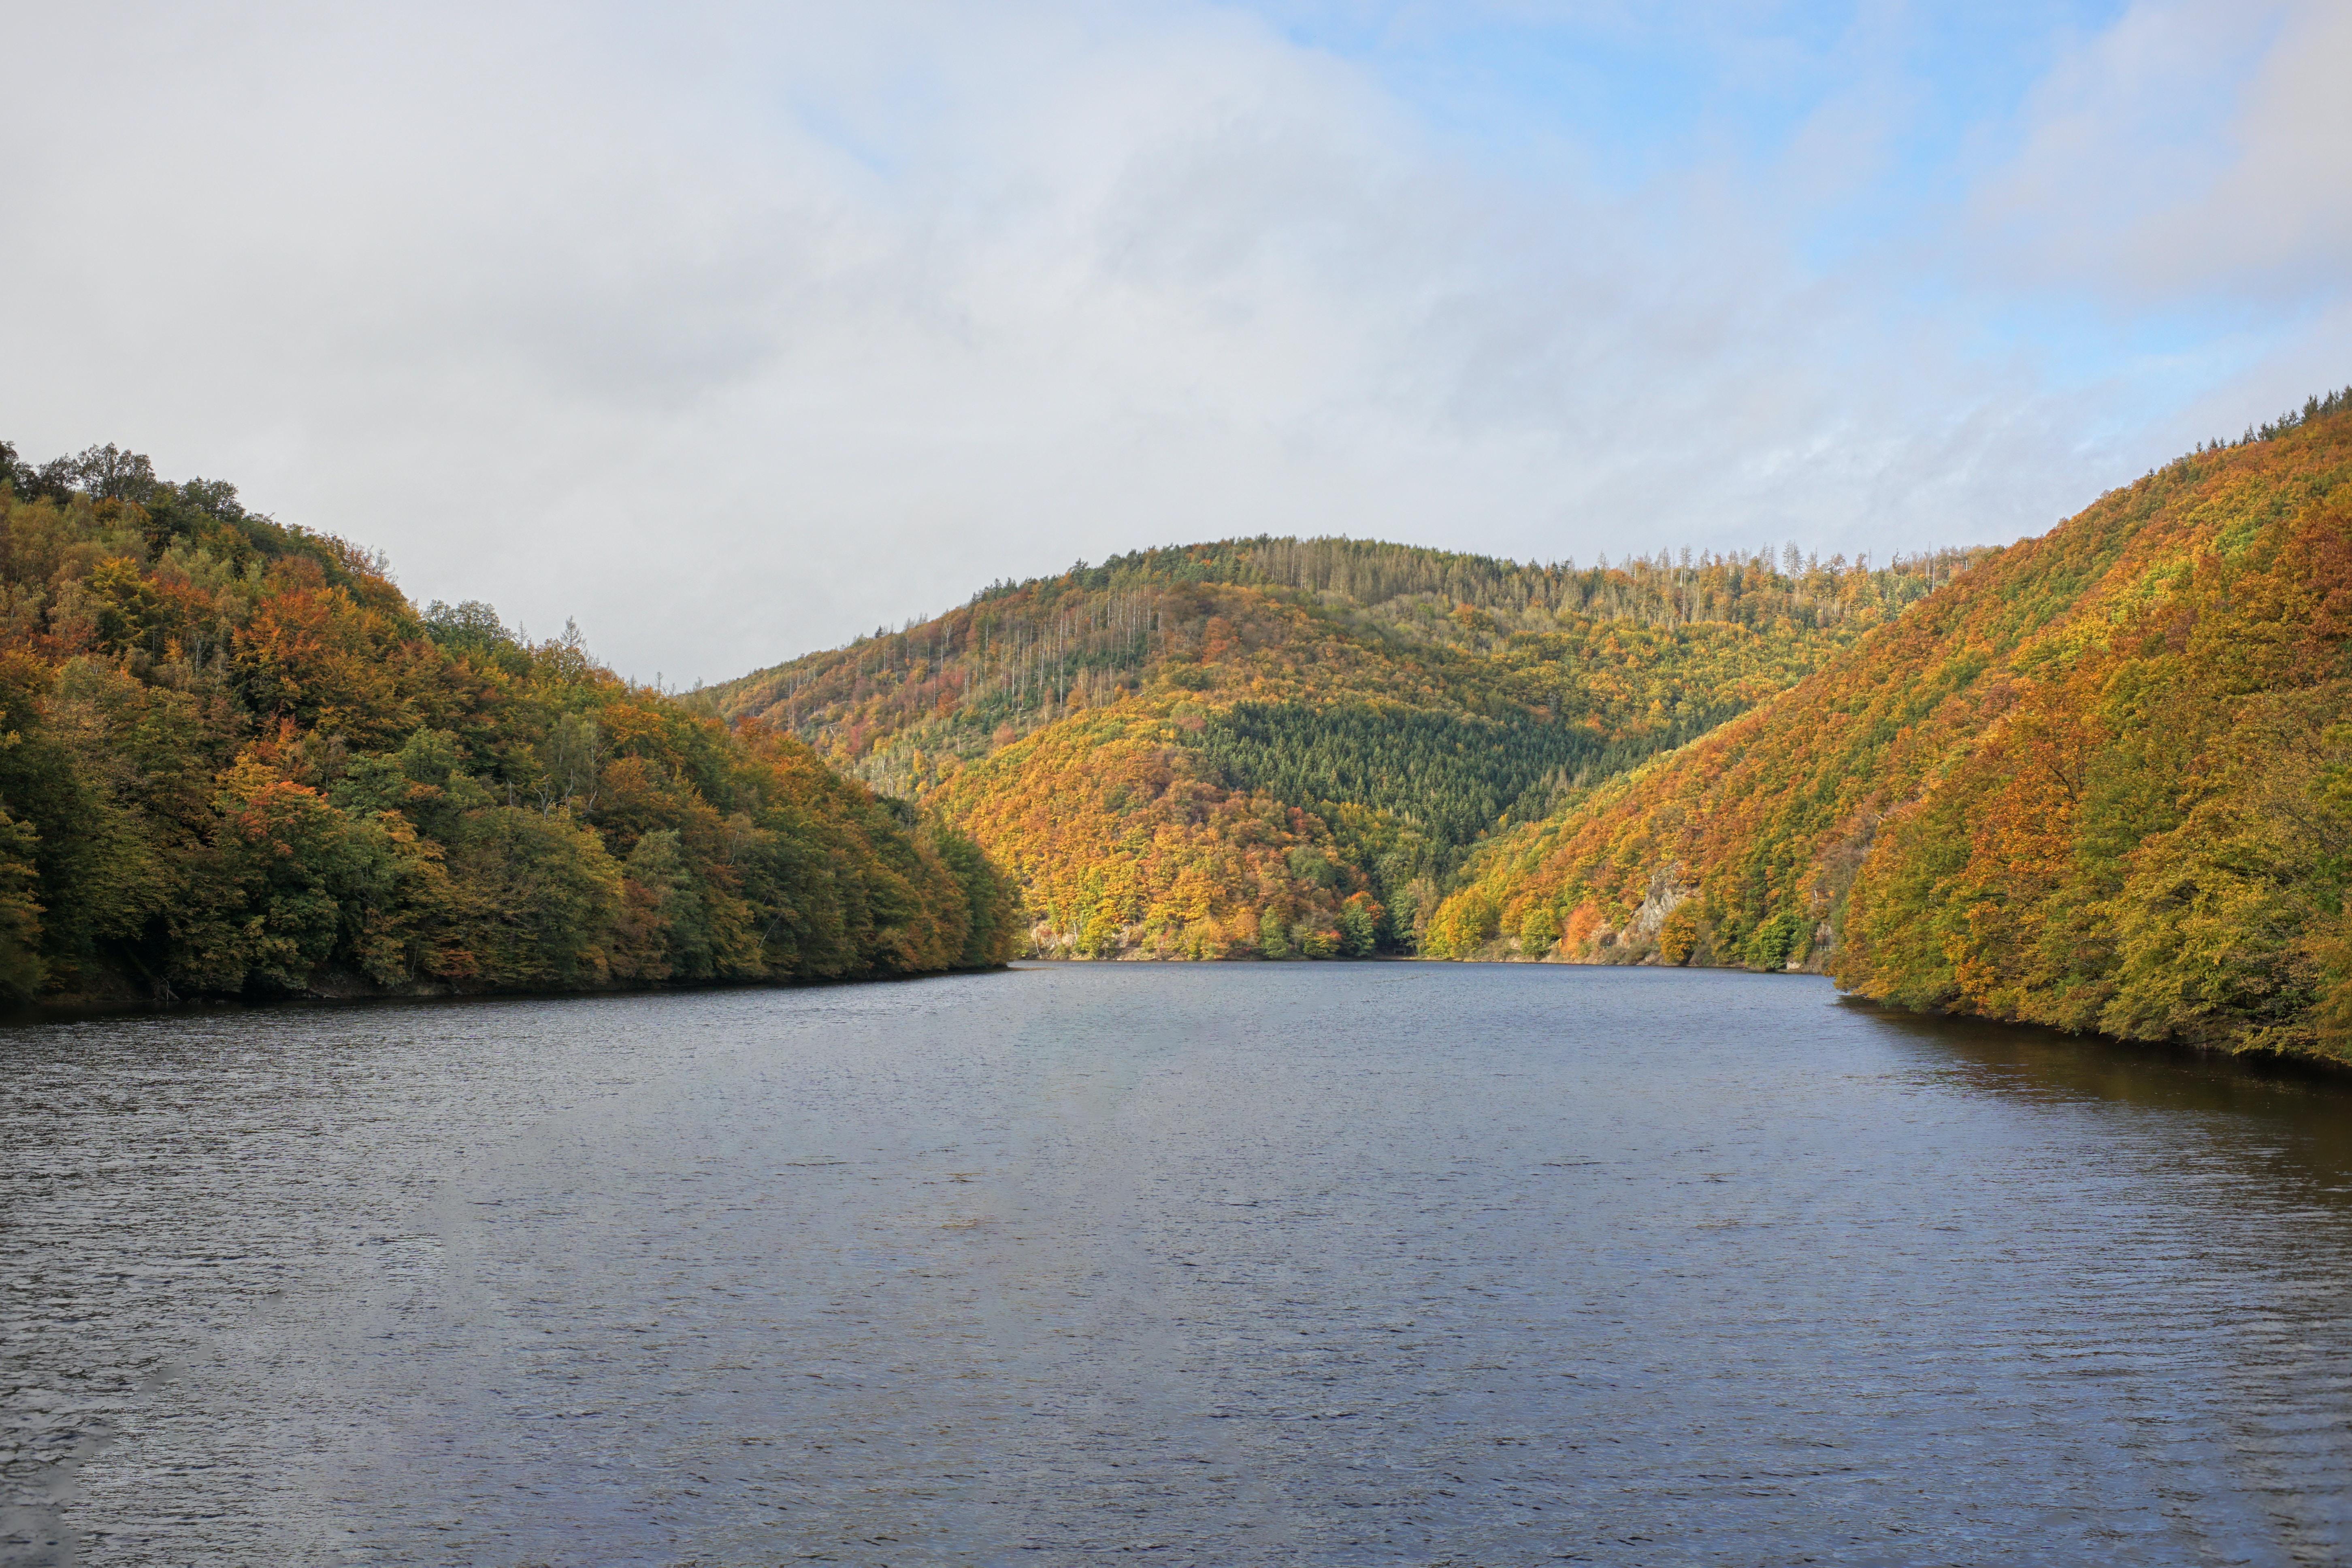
<point x="2313" y="409"/>
<point x="2100" y="784"/>
<point x="1026" y="654"/>
<point x="238" y="761"/>
<point x="1666" y="590"/>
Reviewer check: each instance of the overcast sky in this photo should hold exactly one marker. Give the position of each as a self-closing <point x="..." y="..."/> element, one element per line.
<point x="736" y="331"/>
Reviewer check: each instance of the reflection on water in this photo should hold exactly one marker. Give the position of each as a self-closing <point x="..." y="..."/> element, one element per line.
<point x="1233" y="1264"/>
<point x="2308" y="1100"/>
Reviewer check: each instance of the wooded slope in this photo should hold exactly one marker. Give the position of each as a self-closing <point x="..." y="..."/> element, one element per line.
<point x="1273" y="746"/>
<point x="235" y="760"/>
<point x="2099" y="782"/>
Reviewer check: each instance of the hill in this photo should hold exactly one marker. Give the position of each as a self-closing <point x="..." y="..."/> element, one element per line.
<point x="2102" y="781"/>
<point x="1269" y="746"/>
<point x="235" y="760"/>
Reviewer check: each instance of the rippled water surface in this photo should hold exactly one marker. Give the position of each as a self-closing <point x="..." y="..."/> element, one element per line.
<point x="1391" y="1263"/>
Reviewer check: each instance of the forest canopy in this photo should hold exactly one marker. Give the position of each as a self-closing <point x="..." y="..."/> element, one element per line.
<point x="1279" y="747"/>
<point x="2097" y="783"/>
<point x="235" y="760"/>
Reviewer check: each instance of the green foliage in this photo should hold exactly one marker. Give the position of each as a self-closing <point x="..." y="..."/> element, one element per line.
<point x="1274" y="941"/>
<point x="1465" y="924"/>
<point x="264" y="901"/>
<point x="233" y="760"/>
<point x="1216" y="736"/>
<point x="2097" y="783"/>
<point x="22" y="970"/>
<point x="1773" y="945"/>
<point x="989" y="896"/>
<point x="1358" y="928"/>
<point x="1451" y="774"/>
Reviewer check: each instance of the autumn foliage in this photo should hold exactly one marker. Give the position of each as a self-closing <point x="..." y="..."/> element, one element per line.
<point x="1277" y="747"/>
<point x="235" y="760"/>
<point x="2104" y="782"/>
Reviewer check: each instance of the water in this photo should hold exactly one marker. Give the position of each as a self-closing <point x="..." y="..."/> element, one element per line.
<point x="1391" y="1263"/>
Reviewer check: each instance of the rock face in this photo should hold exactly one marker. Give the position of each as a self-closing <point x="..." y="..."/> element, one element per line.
<point x="1587" y="937"/>
<point x="1666" y="895"/>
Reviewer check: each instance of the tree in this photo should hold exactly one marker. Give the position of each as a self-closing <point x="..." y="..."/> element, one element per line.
<point x="1358" y="927"/>
<point x="571" y="760"/>
<point x="109" y="473"/>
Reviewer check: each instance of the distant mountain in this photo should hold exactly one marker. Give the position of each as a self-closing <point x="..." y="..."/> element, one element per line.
<point x="1268" y="747"/>
<point x="2102" y="780"/>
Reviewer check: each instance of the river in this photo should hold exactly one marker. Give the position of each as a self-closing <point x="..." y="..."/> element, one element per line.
<point x="1216" y="1264"/>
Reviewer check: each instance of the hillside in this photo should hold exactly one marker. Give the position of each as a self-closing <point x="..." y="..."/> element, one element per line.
<point x="238" y="761"/>
<point x="1269" y="746"/>
<point x="2103" y="780"/>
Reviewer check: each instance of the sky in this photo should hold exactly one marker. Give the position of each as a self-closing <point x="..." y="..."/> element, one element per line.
<point x="737" y="330"/>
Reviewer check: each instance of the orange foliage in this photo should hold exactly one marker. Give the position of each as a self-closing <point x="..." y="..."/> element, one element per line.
<point x="2093" y="782"/>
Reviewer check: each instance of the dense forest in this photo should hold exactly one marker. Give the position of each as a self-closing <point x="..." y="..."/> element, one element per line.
<point x="1277" y="747"/>
<point x="236" y="761"/>
<point x="2102" y="781"/>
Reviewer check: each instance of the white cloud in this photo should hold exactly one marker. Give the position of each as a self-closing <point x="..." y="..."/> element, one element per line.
<point x="735" y="332"/>
<point x="2198" y="147"/>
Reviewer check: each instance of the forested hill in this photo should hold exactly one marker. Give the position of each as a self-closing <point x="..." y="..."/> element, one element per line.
<point x="1275" y="746"/>
<point x="235" y="760"/>
<point x="2103" y="780"/>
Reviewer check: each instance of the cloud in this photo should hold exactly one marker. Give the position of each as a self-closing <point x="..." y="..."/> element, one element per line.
<point x="2195" y="149"/>
<point x="736" y="331"/>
